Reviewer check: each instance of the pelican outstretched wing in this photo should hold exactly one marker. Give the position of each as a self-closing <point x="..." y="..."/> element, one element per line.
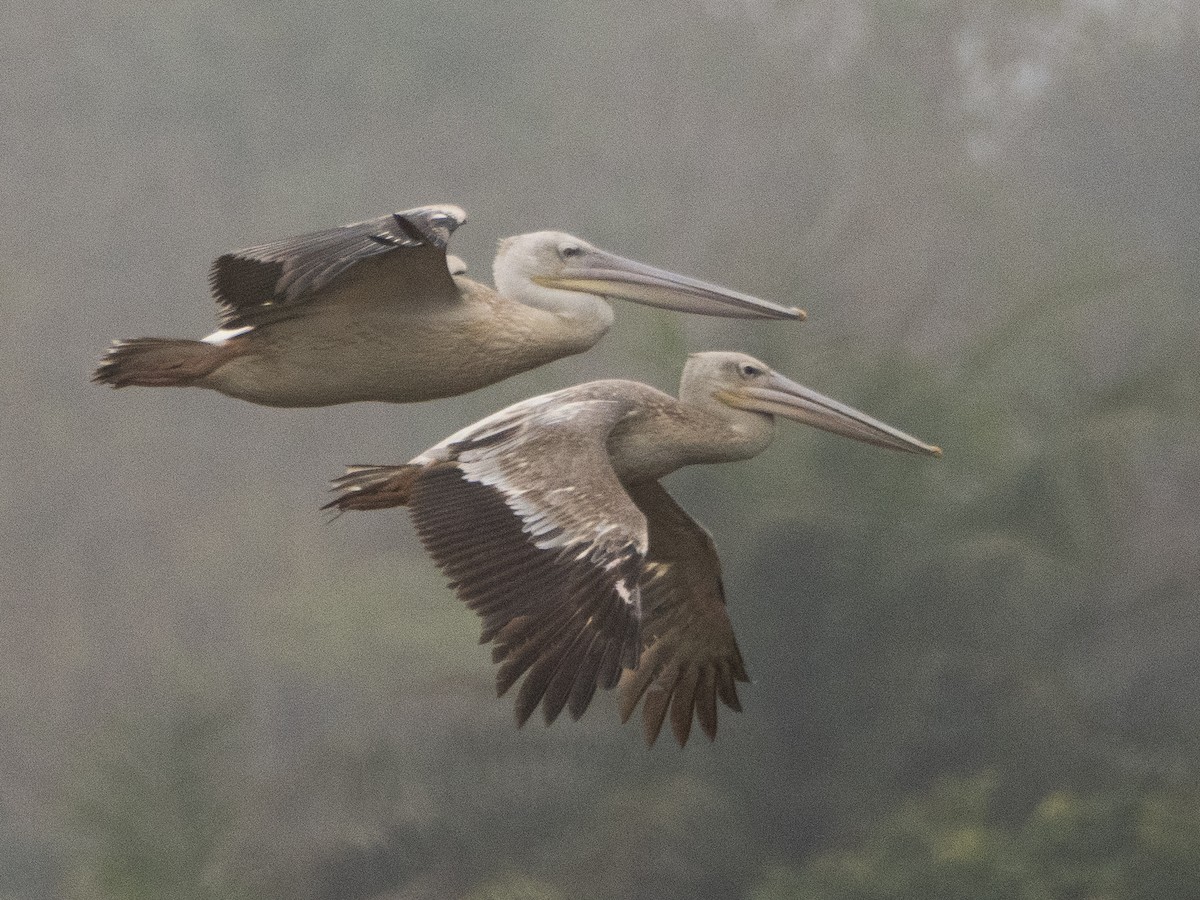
<point x="527" y="517"/>
<point x="689" y="657"/>
<point x="402" y="254"/>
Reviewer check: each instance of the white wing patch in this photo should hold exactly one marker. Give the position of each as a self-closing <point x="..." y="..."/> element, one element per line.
<point x="535" y="520"/>
<point x="624" y="593"/>
<point x="485" y="428"/>
<point x="504" y="465"/>
<point x="221" y="335"/>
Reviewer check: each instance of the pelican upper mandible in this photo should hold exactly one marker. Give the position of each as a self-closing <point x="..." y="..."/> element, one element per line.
<point x="378" y="311"/>
<point x="550" y="521"/>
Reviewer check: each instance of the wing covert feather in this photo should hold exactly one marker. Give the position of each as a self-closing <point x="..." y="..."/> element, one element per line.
<point x="405" y="253"/>
<point x="536" y="532"/>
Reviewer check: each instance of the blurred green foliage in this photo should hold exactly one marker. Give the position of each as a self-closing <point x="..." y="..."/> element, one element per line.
<point x="515" y="887"/>
<point x="157" y="806"/>
<point x="956" y="840"/>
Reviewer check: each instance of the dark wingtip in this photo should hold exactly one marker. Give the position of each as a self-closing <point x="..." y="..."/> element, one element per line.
<point x="410" y="229"/>
<point x="523" y="712"/>
<point x="550" y="713"/>
<point x="506" y="678"/>
<point x="430" y="225"/>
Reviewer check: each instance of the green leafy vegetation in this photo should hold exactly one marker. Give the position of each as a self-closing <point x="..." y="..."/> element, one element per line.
<point x="957" y="840"/>
<point x="158" y="807"/>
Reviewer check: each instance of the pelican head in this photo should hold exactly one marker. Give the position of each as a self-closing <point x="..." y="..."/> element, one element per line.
<point x="743" y="382"/>
<point x="550" y="270"/>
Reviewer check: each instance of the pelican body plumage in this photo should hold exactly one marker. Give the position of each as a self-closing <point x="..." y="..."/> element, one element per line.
<point x="549" y="519"/>
<point x="377" y="310"/>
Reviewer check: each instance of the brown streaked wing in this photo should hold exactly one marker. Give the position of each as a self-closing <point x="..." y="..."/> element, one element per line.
<point x="690" y="657"/>
<point x="540" y="539"/>
<point x="407" y="251"/>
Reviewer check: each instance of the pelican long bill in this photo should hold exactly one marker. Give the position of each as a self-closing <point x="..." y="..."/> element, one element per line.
<point x="608" y="275"/>
<point x="783" y="397"/>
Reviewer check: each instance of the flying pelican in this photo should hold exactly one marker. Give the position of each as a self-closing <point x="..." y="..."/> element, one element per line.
<point x="550" y="521"/>
<point x="378" y="311"/>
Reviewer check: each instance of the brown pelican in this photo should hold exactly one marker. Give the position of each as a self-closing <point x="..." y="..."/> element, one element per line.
<point x="378" y="311"/>
<point x="550" y="521"/>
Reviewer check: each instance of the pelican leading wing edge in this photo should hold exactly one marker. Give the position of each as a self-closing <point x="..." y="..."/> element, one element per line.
<point x="269" y="282"/>
<point x="690" y="657"/>
<point x="540" y="539"/>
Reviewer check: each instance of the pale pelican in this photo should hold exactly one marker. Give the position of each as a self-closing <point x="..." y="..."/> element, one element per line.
<point x="550" y="521"/>
<point x="378" y="311"/>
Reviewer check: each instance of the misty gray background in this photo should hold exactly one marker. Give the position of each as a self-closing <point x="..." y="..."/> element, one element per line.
<point x="973" y="677"/>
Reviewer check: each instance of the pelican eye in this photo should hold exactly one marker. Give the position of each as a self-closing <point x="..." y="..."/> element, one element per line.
<point x="751" y="371"/>
<point x="568" y="250"/>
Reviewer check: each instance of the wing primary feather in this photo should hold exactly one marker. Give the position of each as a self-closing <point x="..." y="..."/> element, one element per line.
<point x="739" y="667"/>
<point x="588" y="672"/>
<point x="598" y="603"/>
<point x="706" y="702"/>
<point x="683" y="704"/>
<point x="537" y="679"/>
<point x="559" y="687"/>
<point x="543" y="604"/>
<point x="521" y="628"/>
<point x="609" y="670"/>
<point x="525" y="652"/>
<point x="727" y="689"/>
<point x="654" y="707"/>
<point x="520" y="659"/>
<point x="411" y="231"/>
<point x="640" y="678"/>
<point x="585" y="684"/>
<point x="524" y="629"/>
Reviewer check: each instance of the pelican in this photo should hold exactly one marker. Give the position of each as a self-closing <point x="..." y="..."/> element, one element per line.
<point x="378" y="311"/>
<point x="550" y="521"/>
